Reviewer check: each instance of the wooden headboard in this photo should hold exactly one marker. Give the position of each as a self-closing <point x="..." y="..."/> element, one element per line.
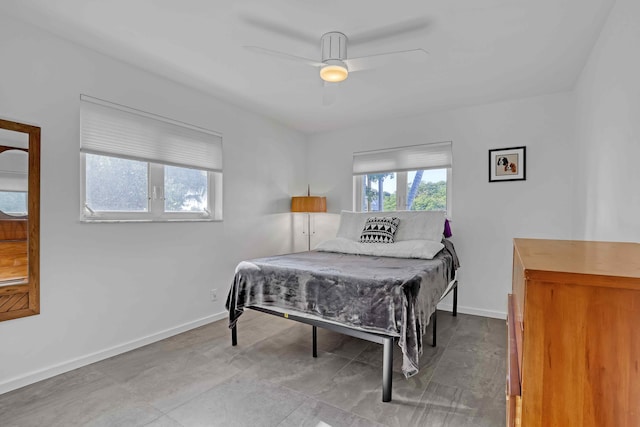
<point x="13" y="260"/>
<point x="13" y="249"/>
<point x="13" y="229"/>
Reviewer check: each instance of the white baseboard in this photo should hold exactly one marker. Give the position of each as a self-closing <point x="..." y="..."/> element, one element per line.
<point x="52" y="371"/>
<point x="474" y="311"/>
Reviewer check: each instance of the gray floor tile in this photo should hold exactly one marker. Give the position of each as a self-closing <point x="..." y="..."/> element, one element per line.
<point x="99" y="403"/>
<point x="450" y="406"/>
<point x="328" y="341"/>
<point x="486" y="343"/>
<point x="373" y="355"/>
<point x="239" y="402"/>
<point x="70" y="386"/>
<point x="198" y="338"/>
<point x="293" y="366"/>
<point x="172" y="383"/>
<point x="262" y="326"/>
<point x="164" y="421"/>
<point x="466" y="322"/>
<point x="340" y="344"/>
<point x="350" y="385"/>
<point x="314" y="413"/>
<point x="126" y="366"/>
<point x="270" y="378"/>
<point x="476" y="372"/>
<point x="358" y="389"/>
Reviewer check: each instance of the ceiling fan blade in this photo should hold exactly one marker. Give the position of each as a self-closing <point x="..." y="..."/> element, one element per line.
<point x="387" y="58"/>
<point x="279" y="29"/>
<point x="391" y="30"/>
<point x="283" y="55"/>
<point x="329" y="93"/>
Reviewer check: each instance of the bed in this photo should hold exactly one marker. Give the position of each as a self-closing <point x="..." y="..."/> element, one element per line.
<point x="380" y="292"/>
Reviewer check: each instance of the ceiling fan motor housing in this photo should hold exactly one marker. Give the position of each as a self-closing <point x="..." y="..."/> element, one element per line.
<point x="333" y="46"/>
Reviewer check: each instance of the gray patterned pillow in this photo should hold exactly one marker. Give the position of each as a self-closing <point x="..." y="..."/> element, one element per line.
<point x="379" y="229"/>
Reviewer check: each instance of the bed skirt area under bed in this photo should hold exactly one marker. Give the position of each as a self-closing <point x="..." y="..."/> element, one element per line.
<point x="386" y="340"/>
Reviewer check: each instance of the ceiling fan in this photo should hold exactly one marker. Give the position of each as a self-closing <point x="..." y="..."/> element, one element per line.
<point x="334" y="65"/>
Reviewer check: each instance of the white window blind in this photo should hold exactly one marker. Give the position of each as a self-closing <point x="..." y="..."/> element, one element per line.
<point x="114" y="130"/>
<point x="414" y="157"/>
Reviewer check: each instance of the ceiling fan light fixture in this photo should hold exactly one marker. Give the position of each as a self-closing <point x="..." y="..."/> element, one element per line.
<point x="334" y="71"/>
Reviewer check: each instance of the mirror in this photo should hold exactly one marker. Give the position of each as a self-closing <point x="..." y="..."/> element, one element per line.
<point x="19" y="220"/>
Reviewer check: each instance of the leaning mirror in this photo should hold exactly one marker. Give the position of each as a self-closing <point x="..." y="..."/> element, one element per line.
<point x="19" y="220"/>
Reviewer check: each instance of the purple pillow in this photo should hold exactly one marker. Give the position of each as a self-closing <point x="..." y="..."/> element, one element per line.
<point x="447" y="229"/>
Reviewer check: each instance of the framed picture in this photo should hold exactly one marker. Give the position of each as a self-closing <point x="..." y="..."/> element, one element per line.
<point x="508" y="164"/>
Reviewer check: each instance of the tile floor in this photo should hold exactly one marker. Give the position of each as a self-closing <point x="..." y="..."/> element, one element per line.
<point x="270" y="379"/>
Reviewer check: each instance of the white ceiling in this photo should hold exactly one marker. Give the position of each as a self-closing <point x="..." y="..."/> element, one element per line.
<point x="480" y="51"/>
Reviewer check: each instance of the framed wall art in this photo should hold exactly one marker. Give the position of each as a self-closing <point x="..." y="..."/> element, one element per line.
<point x="508" y="164"/>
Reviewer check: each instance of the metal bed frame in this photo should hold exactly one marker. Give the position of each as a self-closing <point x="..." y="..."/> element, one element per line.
<point x="385" y="340"/>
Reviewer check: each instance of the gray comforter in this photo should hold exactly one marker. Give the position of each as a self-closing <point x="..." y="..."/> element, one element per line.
<point x="392" y="296"/>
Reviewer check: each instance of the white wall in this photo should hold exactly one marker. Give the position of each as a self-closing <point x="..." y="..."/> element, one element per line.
<point x="607" y="188"/>
<point x="109" y="287"/>
<point x="486" y="216"/>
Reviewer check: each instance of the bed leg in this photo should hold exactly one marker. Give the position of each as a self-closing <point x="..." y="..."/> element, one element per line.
<point x="455" y="299"/>
<point x="434" y="320"/>
<point x="315" y="341"/>
<point x="234" y="336"/>
<point x="387" y="369"/>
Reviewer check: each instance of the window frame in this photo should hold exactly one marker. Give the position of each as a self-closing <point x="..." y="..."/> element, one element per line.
<point x="117" y="131"/>
<point x="401" y="160"/>
<point x="155" y="205"/>
<point x="402" y="189"/>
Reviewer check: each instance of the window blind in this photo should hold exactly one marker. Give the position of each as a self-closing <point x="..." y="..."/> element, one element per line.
<point x="114" y="130"/>
<point x="426" y="156"/>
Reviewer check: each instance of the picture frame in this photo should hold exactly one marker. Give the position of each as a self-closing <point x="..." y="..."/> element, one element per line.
<point x="508" y="164"/>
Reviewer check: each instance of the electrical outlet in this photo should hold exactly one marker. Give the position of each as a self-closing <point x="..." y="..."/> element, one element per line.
<point x="214" y="295"/>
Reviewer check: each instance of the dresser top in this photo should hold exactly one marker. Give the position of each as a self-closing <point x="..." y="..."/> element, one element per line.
<point x="611" y="259"/>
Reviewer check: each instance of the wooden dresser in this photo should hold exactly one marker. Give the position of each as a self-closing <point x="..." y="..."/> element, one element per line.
<point x="574" y="334"/>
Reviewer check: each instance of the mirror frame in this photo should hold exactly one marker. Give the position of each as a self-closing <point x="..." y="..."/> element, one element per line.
<point x="21" y="300"/>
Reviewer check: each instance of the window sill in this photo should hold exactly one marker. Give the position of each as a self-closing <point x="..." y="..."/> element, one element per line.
<point x="106" y="220"/>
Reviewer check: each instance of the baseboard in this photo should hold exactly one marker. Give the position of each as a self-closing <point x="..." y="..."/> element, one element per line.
<point x="474" y="311"/>
<point x="52" y="371"/>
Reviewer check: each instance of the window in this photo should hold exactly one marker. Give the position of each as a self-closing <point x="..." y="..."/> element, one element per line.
<point x="417" y="177"/>
<point x="13" y="203"/>
<point x="14" y="176"/>
<point x="141" y="167"/>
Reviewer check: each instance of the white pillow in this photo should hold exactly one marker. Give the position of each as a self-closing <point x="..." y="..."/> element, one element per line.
<point x="423" y="249"/>
<point x="420" y="225"/>
<point x="352" y="223"/>
<point x="414" y="225"/>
